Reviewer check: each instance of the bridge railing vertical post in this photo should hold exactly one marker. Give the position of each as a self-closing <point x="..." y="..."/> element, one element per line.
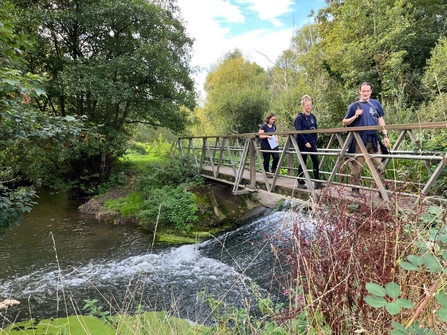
<point x="252" y="162"/>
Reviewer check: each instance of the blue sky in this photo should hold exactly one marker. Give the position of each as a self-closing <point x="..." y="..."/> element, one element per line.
<point x="262" y="29"/>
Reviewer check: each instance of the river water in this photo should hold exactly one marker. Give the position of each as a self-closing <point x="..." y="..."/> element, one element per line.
<point x="56" y="258"/>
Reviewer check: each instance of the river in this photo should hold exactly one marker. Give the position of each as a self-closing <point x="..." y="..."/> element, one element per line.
<point x="56" y="258"/>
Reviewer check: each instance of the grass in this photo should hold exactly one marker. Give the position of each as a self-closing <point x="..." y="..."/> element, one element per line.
<point x="148" y="323"/>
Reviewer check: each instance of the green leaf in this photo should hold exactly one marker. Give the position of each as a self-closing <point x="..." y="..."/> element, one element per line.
<point x="376" y="302"/>
<point x="393" y="290"/>
<point x="435" y="210"/>
<point x="393" y="308"/>
<point x="404" y="303"/>
<point x="432" y="263"/>
<point x="441" y="298"/>
<point x="408" y="266"/>
<point x="443" y="314"/>
<point x="398" y="332"/>
<point x="376" y="289"/>
<point x="415" y="260"/>
<point x="399" y="327"/>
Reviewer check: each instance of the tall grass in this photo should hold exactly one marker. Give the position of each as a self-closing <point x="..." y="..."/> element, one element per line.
<point x="354" y="243"/>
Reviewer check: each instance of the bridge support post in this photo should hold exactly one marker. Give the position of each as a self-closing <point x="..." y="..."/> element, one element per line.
<point x="252" y="163"/>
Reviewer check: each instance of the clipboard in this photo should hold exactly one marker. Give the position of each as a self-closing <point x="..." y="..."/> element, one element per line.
<point x="273" y="142"/>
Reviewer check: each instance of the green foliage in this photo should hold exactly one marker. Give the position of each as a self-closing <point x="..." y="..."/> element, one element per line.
<point x="72" y="325"/>
<point x="161" y="194"/>
<point x="128" y="206"/>
<point x="107" y="76"/>
<point x="169" y="206"/>
<point x="157" y="323"/>
<point x="377" y="299"/>
<point x="237" y="96"/>
<point x="143" y="323"/>
<point x="435" y="76"/>
<point x="432" y="248"/>
<point x="98" y="311"/>
<point x="14" y="202"/>
<point x="26" y="135"/>
<point x="160" y="147"/>
<point x="178" y="170"/>
<point x="272" y="318"/>
<point x="137" y="148"/>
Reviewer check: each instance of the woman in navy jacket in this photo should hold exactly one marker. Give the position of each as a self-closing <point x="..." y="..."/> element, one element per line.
<point x="307" y="142"/>
<point x="269" y="127"/>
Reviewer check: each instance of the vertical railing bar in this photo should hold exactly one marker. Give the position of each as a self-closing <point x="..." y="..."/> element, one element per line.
<point x="413" y="139"/>
<point x="191" y="145"/>
<point x="252" y="162"/>
<point x="434" y="176"/>
<point x="230" y="154"/>
<point x="281" y="158"/>
<point x="341" y="157"/>
<point x="180" y="147"/>
<point x="328" y="146"/>
<point x="304" y="167"/>
<point x="371" y="166"/>
<point x="203" y="152"/>
<point x="221" y="155"/>
<point x="241" y="168"/>
<point x="210" y="156"/>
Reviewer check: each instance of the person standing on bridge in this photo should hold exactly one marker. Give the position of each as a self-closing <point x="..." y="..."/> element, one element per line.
<point x="363" y="113"/>
<point x="269" y="142"/>
<point x="307" y="142"/>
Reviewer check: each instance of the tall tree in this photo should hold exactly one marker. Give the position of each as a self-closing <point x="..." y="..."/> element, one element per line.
<point x="381" y="41"/>
<point x="118" y="63"/>
<point x="25" y="133"/>
<point x="237" y="95"/>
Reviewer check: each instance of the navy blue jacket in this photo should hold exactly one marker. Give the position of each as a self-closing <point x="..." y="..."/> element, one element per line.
<point x="306" y="122"/>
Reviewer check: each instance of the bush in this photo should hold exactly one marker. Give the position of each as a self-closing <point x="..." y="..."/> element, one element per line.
<point x="349" y="245"/>
<point x="177" y="170"/>
<point x="138" y="148"/>
<point x="169" y="206"/>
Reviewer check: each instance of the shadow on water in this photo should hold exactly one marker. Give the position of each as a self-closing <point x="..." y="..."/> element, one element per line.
<point x="56" y="258"/>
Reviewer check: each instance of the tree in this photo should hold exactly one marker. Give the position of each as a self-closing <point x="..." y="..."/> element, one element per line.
<point x="381" y="41"/>
<point x="237" y="95"/>
<point x="435" y="81"/>
<point x="24" y="131"/>
<point x="117" y="63"/>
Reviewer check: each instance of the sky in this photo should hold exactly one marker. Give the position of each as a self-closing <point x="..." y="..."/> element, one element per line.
<point x="261" y="29"/>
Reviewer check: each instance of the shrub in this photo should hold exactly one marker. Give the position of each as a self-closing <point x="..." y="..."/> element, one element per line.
<point x="349" y="245"/>
<point x="177" y="170"/>
<point x="169" y="206"/>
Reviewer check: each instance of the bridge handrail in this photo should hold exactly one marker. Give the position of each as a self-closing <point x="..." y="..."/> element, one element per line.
<point x="400" y="127"/>
<point x="242" y="153"/>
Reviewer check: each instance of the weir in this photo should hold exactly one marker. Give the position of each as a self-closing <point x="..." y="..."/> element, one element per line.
<point x="237" y="160"/>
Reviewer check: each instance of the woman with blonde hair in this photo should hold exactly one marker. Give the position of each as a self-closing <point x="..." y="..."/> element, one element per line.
<point x="307" y="142"/>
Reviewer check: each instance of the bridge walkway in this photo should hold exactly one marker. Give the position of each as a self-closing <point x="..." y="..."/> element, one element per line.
<point x="237" y="160"/>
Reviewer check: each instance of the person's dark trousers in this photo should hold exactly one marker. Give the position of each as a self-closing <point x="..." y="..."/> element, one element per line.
<point x="267" y="156"/>
<point x="315" y="162"/>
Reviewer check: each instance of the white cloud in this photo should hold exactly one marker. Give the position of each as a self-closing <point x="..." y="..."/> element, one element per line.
<point x="276" y="23"/>
<point x="212" y="40"/>
<point x="268" y="9"/>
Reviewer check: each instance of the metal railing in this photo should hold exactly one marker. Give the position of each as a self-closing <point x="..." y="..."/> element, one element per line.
<point x="241" y="154"/>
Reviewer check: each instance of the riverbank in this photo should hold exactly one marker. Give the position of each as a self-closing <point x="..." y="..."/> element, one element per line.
<point x="218" y="210"/>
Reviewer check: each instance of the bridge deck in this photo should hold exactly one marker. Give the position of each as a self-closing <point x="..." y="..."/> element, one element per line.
<point x="237" y="160"/>
<point x="288" y="186"/>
